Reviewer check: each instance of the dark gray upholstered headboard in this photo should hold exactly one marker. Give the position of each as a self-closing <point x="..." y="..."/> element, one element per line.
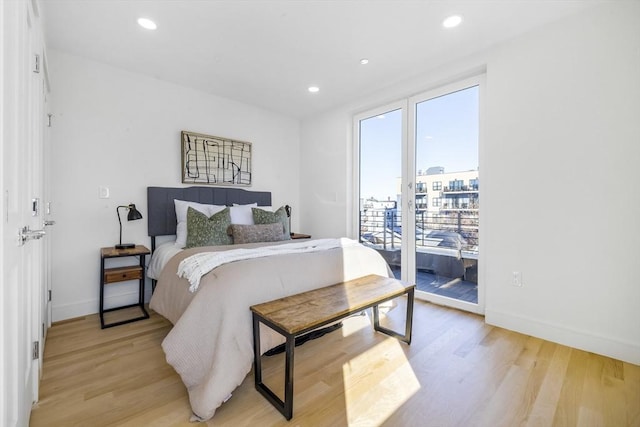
<point x="161" y="213"/>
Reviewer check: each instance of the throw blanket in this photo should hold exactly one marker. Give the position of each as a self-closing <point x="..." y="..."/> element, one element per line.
<point x="196" y="266"/>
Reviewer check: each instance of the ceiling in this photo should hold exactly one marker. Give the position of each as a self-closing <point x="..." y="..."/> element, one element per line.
<point x="267" y="53"/>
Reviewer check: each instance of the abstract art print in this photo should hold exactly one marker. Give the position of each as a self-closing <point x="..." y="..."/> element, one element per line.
<point x="213" y="160"/>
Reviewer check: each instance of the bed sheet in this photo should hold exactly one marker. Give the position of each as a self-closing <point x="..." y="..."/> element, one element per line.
<point x="160" y="257"/>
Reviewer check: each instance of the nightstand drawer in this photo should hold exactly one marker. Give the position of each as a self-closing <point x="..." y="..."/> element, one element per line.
<point x="120" y="274"/>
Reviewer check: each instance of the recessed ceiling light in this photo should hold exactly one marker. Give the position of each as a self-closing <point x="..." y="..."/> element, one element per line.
<point x="364" y="61"/>
<point x="313" y="89"/>
<point x="452" y="21"/>
<point x="147" y="23"/>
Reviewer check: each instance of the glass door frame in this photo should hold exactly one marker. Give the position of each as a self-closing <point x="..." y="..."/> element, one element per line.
<point x="355" y="214"/>
<point x="413" y="102"/>
<point x="408" y="107"/>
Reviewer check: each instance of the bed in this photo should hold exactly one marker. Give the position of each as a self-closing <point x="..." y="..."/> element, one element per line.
<point x="210" y="345"/>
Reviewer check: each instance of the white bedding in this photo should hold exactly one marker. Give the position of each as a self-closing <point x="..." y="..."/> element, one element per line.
<point x="160" y="257"/>
<point x="210" y="345"/>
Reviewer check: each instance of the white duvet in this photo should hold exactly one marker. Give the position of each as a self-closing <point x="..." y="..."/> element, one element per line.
<point x="211" y="344"/>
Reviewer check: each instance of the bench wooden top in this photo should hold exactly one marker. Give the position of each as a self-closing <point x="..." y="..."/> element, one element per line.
<point x="312" y="309"/>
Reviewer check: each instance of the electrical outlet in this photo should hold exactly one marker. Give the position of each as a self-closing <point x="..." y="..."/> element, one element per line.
<point x="517" y="279"/>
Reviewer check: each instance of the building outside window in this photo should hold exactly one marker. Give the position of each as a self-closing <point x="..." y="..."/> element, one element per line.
<point x="437" y="185"/>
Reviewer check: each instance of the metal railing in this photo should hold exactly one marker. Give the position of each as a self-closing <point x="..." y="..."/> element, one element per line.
<point x="456" y="204"/>
<point x="461" y="189"/>
<point x="455" y="230"/>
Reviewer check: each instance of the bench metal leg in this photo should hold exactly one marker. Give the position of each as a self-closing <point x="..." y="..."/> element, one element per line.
<point x="288" y="377"/>
<point x="257" y="361"/>
<point x="286" y="407"/>
<point x="408" y="322"/>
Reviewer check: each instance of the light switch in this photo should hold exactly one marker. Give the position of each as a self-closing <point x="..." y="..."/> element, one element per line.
<point x="103" y="192"/>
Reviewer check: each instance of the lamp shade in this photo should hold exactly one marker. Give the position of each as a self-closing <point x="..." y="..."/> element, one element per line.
<point x="133" y="213"/>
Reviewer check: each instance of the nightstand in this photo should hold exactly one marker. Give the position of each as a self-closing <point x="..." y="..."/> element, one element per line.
<point x="123" y="274"/>
<point x="300" y="236"/>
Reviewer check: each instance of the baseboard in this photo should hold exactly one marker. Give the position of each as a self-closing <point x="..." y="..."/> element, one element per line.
<point x="583" y="340"/>
<point x="84" y="308"/>
<point x="71" y="311"/>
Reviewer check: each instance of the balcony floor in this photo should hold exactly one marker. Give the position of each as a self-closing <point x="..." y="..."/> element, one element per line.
<point x="445" y="286"/>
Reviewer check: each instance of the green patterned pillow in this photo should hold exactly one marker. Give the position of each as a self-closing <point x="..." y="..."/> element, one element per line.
<point x="260" y="216"/>
<point x="208" y="231"/>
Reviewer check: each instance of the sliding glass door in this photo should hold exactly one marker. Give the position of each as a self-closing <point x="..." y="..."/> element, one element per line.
<point x="381" y="135"/>
<point x="419" y="191"/>
<point x="447" y="195"/>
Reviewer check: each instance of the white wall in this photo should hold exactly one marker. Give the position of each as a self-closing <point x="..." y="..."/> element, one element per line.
<point x="122" y="130"/>
<point x="559" y="171"/>
<point x="563" y="150"/>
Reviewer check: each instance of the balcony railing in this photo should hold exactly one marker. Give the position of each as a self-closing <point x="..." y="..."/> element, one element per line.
<point x="461" y="189"/>
<point x="455" y="230"/>
<point x="472" y="205"/>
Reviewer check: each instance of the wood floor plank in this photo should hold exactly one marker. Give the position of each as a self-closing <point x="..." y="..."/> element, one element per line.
<point x="569" y="405"/>
<point x="546" y="402"/>
<point x="458" y="371"/>
<point x="631" y="378"/>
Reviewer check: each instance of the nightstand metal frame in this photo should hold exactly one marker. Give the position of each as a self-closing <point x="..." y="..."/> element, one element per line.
<point x="127" y="273"/>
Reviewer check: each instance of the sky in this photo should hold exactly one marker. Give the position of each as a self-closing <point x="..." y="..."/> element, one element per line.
<point x="446" y="135"/>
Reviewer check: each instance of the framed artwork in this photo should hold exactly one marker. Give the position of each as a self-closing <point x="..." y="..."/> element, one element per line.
<point x="214" y="160"/>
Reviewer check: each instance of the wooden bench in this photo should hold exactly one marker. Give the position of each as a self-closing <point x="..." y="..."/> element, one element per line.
<point x="298" y="314"/>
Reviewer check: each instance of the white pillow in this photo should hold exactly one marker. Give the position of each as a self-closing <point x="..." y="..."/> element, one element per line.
<point x="242" y="214"/>
<point x="181" y="217"/>
<point x="255" y="205"/>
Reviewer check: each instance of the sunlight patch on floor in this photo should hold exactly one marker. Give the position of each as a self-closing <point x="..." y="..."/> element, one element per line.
<point x="373" y="395"/>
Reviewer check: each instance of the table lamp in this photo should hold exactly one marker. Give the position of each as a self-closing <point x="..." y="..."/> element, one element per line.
<point x="133" y="215"/>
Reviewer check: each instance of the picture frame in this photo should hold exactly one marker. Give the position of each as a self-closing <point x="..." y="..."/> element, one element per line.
<point x="214" y="160"/>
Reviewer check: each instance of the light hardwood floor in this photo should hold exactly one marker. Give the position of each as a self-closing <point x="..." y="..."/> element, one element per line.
<point x="458" y="371"/>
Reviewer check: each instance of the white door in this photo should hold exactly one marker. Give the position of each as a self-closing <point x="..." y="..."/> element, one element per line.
<point x="444" y="153"/>
<point x="21" y="181"/>
<point x="36" y="194"/>
<point x="381" y="134"/>
<point x="46" y="211"/>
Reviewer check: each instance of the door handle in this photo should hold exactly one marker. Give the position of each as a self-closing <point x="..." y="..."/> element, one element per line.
<point x="48" y="222"/>
<point x="25" y="234"/>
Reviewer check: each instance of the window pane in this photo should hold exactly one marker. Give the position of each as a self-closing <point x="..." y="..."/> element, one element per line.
<point x="447" y="228"/>
<point x="380" y="171"/>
